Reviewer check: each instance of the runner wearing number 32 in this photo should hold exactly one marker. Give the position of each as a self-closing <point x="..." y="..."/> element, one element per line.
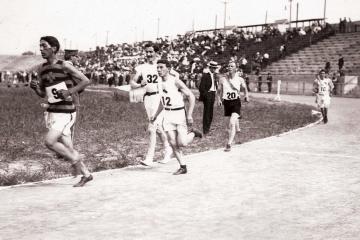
<point x="146" y="76"/>
<point x="229" y="95"/>
<point x="56" y="84"/>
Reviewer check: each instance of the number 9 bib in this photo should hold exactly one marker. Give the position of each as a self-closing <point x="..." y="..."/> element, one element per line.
<point x="53" y="94"/>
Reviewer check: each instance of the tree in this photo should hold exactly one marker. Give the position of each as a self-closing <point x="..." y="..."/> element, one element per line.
<point x="28" y="53"/>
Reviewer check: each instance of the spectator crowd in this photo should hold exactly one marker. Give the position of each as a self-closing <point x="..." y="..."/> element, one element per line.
<point x="189" y="54"/>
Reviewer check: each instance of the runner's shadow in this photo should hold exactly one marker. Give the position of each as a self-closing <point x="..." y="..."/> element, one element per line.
<point x="46" y="184"/>
<point x="141" y="168"/>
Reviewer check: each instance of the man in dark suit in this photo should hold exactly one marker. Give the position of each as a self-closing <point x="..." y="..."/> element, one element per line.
<point x="207" y="88"/>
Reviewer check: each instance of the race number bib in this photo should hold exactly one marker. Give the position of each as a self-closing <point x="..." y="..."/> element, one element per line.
<point x="231" y="95"/>
<point x="52" y="92"/>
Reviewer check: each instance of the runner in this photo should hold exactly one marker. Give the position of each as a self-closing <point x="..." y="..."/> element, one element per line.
<point x="229" y="95"/>
<point x="176" y="118"/>
<point x="149" y="77"/>
<point x="323" y="87"/>
<point x="57" y="86"/>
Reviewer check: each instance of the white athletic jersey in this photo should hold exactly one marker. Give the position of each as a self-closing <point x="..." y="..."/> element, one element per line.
<point x="324" y="86"/>
<point x="171" y="96"/>
<point x="150" y="77"/>
<point x="229" y="93"/>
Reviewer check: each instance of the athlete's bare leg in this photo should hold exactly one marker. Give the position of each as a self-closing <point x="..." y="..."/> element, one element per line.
<point x="167" y="148"/>
<point x="172" y="137"/>
<point x="232" y="127"/>
<point x="52" y="142"/>
<point x="183" y="137"/>
<point x="237" y="125"/>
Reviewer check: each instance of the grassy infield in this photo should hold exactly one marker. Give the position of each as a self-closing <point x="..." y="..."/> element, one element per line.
<point x="112" y="133"/>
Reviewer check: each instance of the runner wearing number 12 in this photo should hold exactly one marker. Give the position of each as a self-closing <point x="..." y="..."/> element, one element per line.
<point x="146" y="76"/>
<point x="229" y="95"/>
<point x="175" y="118"/>
<point x="56" y="84"/>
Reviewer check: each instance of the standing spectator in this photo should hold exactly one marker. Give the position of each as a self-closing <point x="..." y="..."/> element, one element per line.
<point x="341" y="82"/>
<point x="247" y="81"/>
<point x="207" y="88"/>
<point x="341" y="25"/>
<point x="335" y="80"/>
<point x="269" y="81"/>
<point x="258" y="62"/>
<point x="259" y="81"/>
<point x="341" y="62"/>
<point x="327" y="67"/>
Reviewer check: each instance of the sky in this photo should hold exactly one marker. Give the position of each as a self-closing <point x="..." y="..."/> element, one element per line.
<point x="84" y="24"/>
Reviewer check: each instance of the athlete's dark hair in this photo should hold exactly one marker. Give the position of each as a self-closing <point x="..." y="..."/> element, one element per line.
<point x="53" y="42"/>
<point x="154" y="46"/>
<point x="164" y="61"/>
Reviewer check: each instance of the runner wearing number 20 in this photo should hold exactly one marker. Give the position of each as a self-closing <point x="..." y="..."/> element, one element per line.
<point x="146" y="76"/>
<point x="229" y="95"/>
<point x="56" y="84"/>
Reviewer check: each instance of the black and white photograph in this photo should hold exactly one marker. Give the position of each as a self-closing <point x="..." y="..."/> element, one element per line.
<point x="180" y="120"/>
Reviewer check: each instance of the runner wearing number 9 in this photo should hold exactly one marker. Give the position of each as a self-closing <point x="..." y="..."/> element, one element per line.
<point x="56" y="84"/>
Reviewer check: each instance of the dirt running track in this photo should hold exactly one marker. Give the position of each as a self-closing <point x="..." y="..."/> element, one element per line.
<point x="302" y="185"/>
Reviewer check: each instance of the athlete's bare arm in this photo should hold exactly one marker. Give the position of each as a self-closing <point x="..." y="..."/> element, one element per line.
<point x="133" y="81"/>
<point x="220" y="90"/>
<point x="37" y="85"/>
<point x="243" y="85"/>
<point x="82" y="84"/>
<point x="190" y="96"/>
<point x="158" y="111"/>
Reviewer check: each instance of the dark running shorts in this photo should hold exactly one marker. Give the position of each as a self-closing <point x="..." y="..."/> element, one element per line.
<point x="232" y="106"/>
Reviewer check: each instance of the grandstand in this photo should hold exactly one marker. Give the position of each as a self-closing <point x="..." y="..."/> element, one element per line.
<point x="307" y="51"/>
<point x="310" y="59"/>
<point x="303" y="65"/>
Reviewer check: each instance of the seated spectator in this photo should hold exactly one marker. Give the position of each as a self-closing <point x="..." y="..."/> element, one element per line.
<point x="302" y="32"/>
<point x="243" y="62"/>
<point x="282" y="50"/>
<point x="265" y="60"/>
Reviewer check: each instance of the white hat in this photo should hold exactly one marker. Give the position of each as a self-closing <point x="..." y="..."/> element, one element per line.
<point x="213" y="64"/>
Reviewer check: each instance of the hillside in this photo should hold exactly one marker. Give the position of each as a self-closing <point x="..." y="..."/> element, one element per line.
<point x="17" y="63"/>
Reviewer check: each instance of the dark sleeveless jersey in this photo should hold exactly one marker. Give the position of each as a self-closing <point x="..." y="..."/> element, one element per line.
<point x="51" y="75"/>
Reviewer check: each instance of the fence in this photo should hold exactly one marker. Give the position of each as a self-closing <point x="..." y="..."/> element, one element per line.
<point x="348" y="87"/>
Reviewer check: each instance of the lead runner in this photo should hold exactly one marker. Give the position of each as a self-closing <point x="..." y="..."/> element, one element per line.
<point x="57" y="86"/>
